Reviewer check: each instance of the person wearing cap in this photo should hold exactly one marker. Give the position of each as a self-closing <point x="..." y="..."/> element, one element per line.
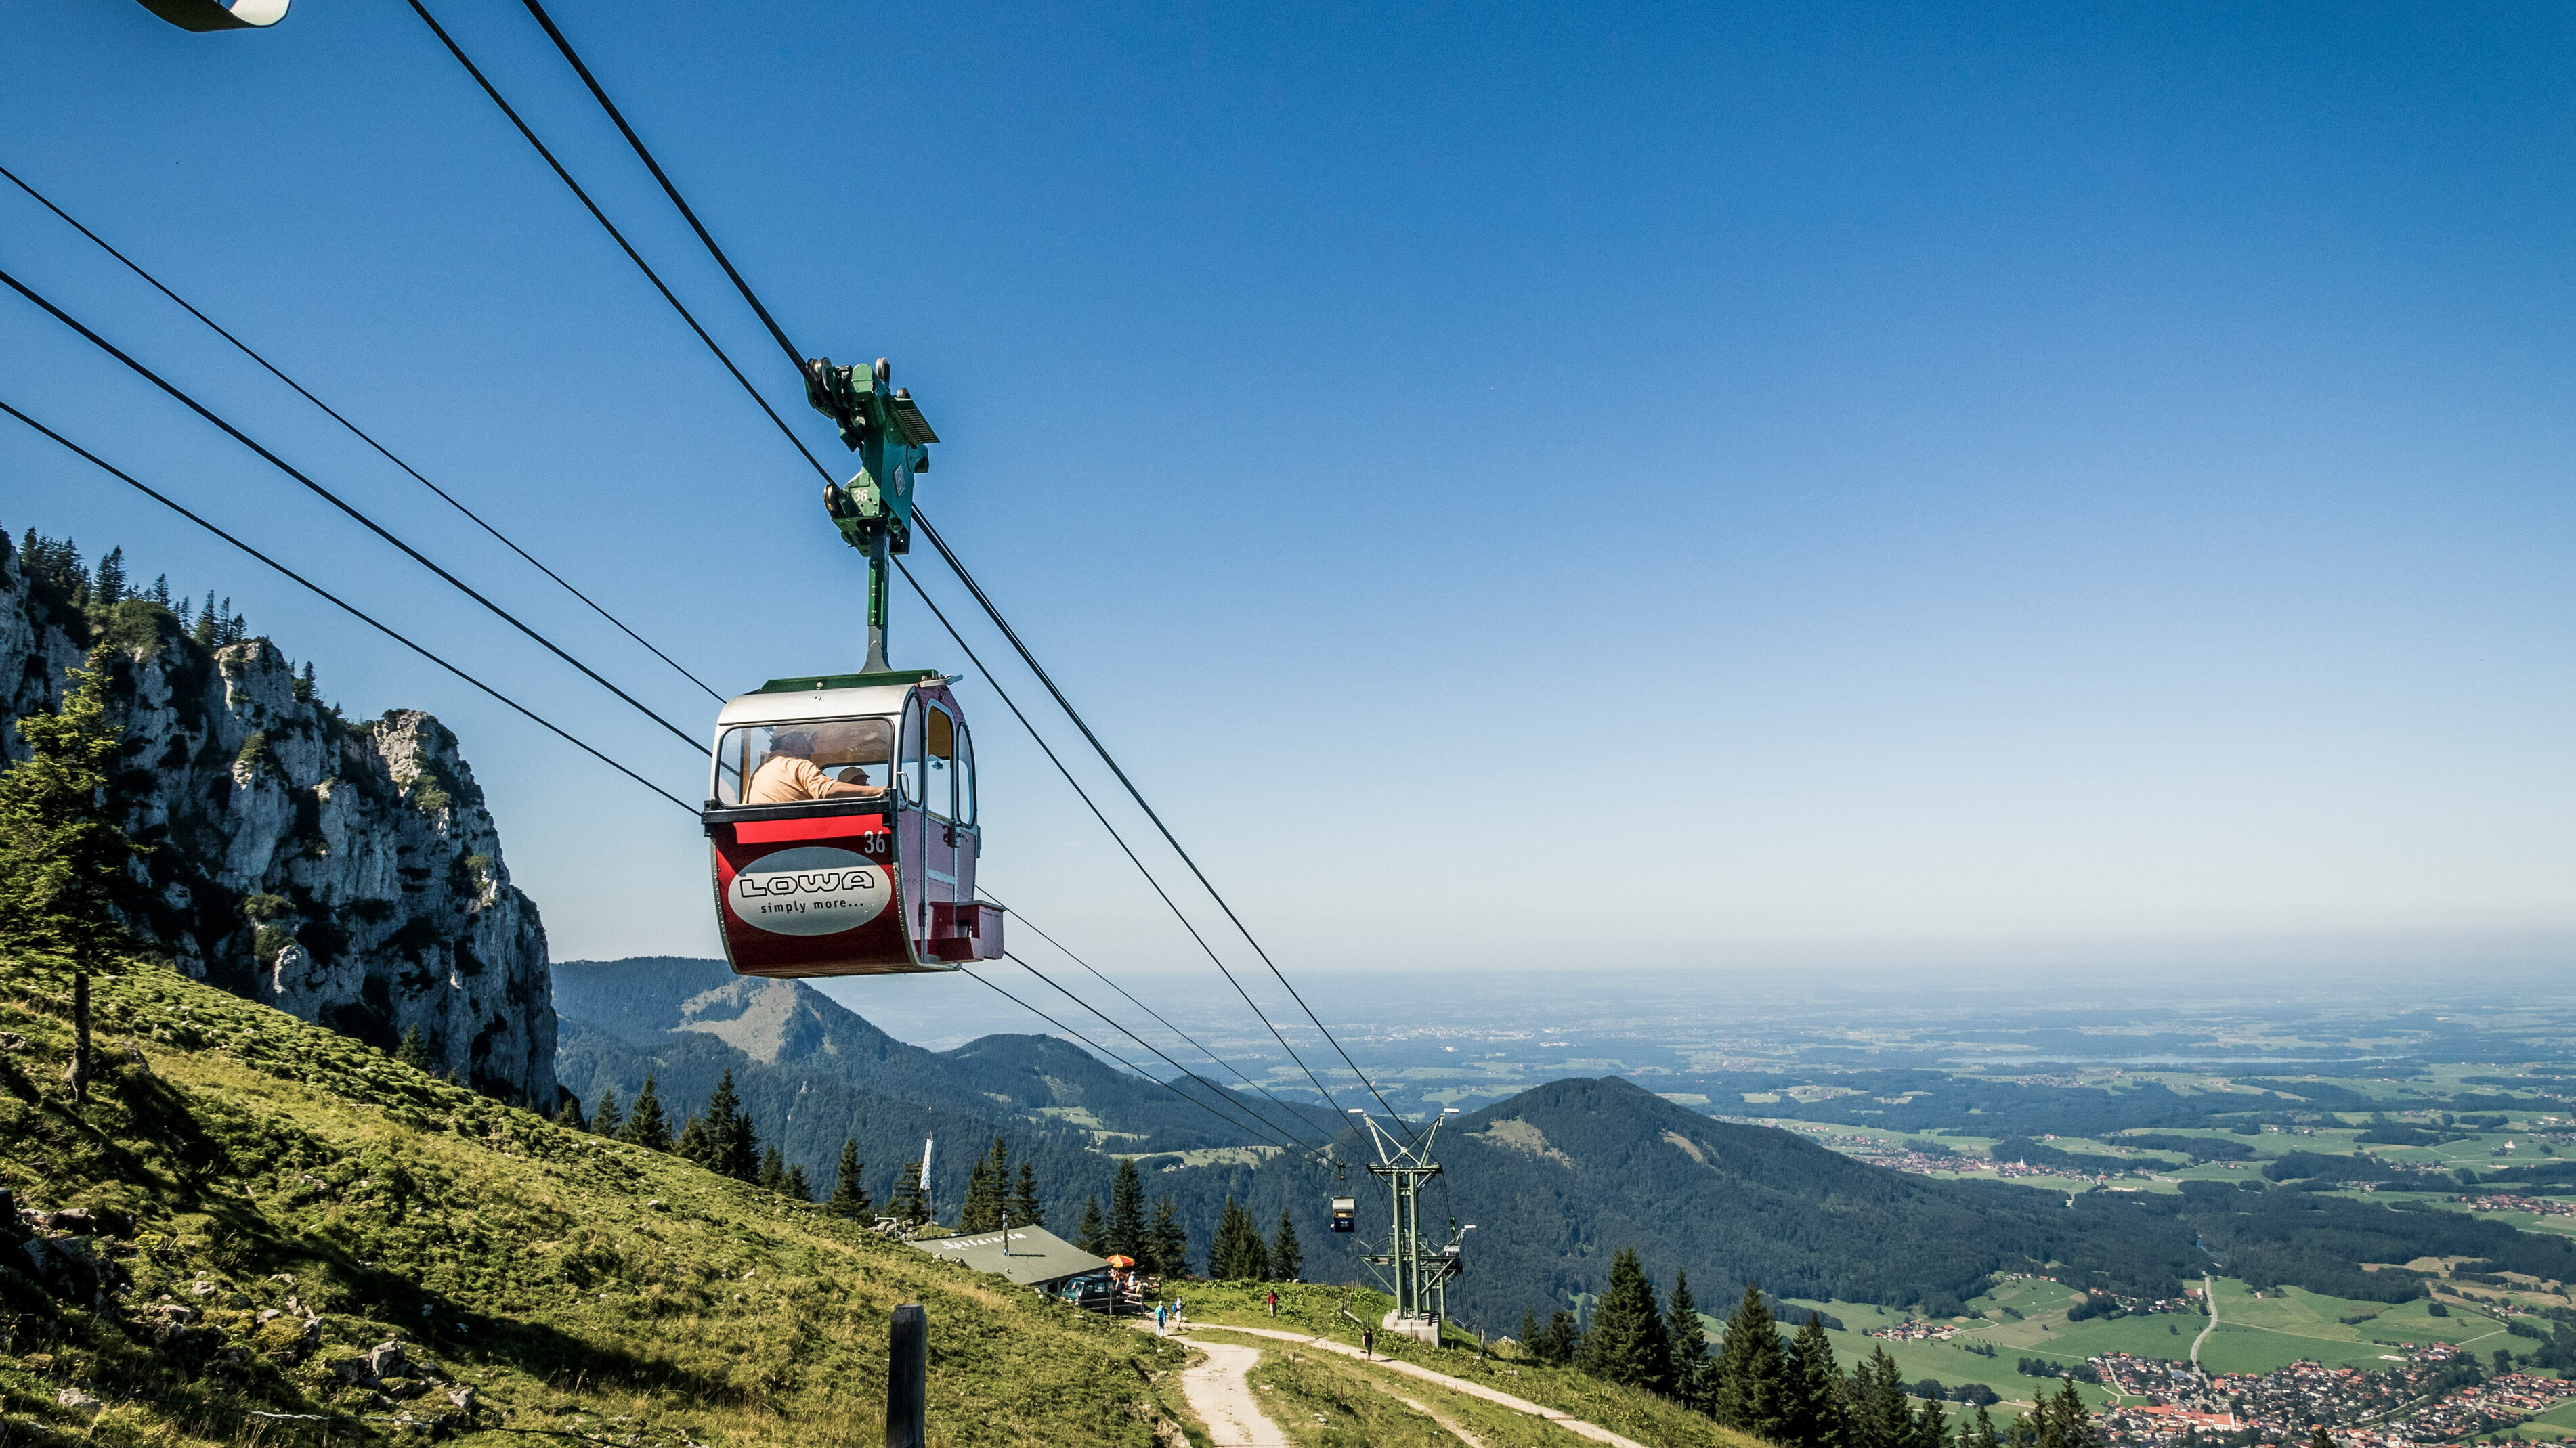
<point x="788" y="775"/>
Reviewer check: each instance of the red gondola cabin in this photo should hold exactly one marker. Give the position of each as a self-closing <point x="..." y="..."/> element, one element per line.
<point x="841" y="829"/>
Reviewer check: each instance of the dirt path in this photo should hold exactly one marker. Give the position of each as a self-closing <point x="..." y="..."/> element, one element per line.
<point x="1576" y="1426"/>
<point x="2208" y="1299"/>
<point x="1218" y="1394"/>
<point x="1447" y="1425"/>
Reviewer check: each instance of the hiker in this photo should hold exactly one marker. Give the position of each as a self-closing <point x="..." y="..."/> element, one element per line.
<point x="1274" y="1304"/>
<point x="1158" y="1319"/>
<point x="1368" y="1343"/>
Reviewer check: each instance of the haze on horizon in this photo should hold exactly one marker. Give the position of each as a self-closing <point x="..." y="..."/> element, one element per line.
<point x="2037" y="491"/>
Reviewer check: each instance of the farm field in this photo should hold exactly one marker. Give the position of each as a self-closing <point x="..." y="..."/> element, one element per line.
<point x="2254" y="1335"/>
<point x="2260" y="1334"/>
<point x="1947" y="1361"/>
<point x="2556" y="1425"/>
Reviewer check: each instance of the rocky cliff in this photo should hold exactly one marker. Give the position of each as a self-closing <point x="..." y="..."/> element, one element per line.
<point x="346" y="873"/>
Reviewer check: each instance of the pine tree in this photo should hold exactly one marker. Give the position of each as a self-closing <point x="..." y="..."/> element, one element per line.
<point x="1026" y="1209"/>
<point x="1091" y="1233"/>
<point x="1167" y="1241"/>
<point x="796" y="1188"/>
<point x="1979" y="1432"/>
<point x="2064" y="1422"/>
<point x="1561" y="1341"/>
<point x="302" y="688"/>
<point x="1626" y="1342"/>
<point x="906" y="1203"/>
<point x="1287" y="1259"/>
<point x="1931" y="1425"/>
<point x="161" y="590"/>
<point x="1127" y="1214"/>
<point x="605" y="1118"/>
<point x="849" y="1193"/>
<point x="645" y="1125"/>
<point x="1237" y="1254"/>
<point x="986" y="1191"/>
<point x="1815" y="1390"/>
<point x="1530" y="1329"/>
<point x="108" y="589"/>
<point x="1687" y="1344"/>
<point x="773" y="1170"/>
<point x="2321" y="1438"/>
<point x="1874" y="1412"/>
<point x="62" y="858"/>
<point x="414" y="1050"/>
<point x="690" y="1144"/>
<point x="728" y="1146"/>
<point x="1749" y="1391"/>
<point x="569" y="1114"/>
<point x="207" y="621"/>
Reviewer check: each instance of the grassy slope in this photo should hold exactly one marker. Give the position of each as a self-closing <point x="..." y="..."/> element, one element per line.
<point x="1316" y="1380"/>
<point x="574" y="1283"/>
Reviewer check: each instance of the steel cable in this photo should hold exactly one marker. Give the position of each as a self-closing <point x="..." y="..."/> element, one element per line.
<point x="1140" y="1005"/>
<point x="618" y="236"/>
<point x="336" y="501"/>
<point x="361" y="433"/>
<point x="1095" y="1045"/>
<point x="1119" y="839"/>
<point x="995" y="614"/>
<point x="336" y="601"/>
<point x="1273" y="1129"/>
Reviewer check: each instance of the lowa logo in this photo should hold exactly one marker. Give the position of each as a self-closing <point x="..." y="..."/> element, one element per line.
<point x="812" y="890"/>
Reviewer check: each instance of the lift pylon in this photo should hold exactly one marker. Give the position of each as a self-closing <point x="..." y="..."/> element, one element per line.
<point x="1416" y="1276"/>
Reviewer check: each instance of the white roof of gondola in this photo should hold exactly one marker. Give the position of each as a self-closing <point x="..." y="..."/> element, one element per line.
<point x="777" y="705"/>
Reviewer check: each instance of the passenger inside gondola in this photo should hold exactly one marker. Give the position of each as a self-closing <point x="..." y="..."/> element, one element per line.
<point x="794" y="767"/>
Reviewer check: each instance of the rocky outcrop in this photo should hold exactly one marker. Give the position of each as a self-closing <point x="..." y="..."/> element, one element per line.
<point x="346" y="873"/>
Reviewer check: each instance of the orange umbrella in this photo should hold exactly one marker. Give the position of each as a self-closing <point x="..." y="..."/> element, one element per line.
<point x="1122" y="1261"/>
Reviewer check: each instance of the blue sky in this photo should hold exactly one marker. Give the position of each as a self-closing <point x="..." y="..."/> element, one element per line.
<point x="1522" y="487"/>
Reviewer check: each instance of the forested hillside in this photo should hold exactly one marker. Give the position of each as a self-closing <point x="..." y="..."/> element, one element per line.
<point x="813" y="1074"/>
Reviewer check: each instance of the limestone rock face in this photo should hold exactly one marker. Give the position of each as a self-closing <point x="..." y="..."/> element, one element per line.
<point x="346" y="873"/>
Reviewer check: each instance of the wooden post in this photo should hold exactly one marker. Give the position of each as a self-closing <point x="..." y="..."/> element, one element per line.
<point x="907" y="1379"/>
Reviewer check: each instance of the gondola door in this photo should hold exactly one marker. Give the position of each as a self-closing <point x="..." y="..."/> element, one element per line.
<point x="938" y="838"/>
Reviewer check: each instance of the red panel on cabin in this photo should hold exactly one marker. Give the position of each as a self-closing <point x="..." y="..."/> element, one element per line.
<point x="828" y="827"/>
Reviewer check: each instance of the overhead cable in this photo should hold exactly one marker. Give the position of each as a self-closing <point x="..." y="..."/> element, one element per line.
<point x="361" y="433"/>
<point x="618" y="236"/>
<point x="794" y="357"/>
<point x="1121" y="841"/>
<point x="334" y="499"/>
<point x="958" y="567"/>
<point x="1095" y="1045"/>
<point x="336" y="601"/>
<point x="1140" y="1005"/>
<point x="1274" y="1129"/>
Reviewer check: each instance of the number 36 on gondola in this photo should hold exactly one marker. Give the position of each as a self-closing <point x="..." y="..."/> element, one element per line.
<point x="841" y="828"/>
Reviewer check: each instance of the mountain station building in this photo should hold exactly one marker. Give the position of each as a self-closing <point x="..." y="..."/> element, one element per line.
<point x="1030" y="1256"/>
